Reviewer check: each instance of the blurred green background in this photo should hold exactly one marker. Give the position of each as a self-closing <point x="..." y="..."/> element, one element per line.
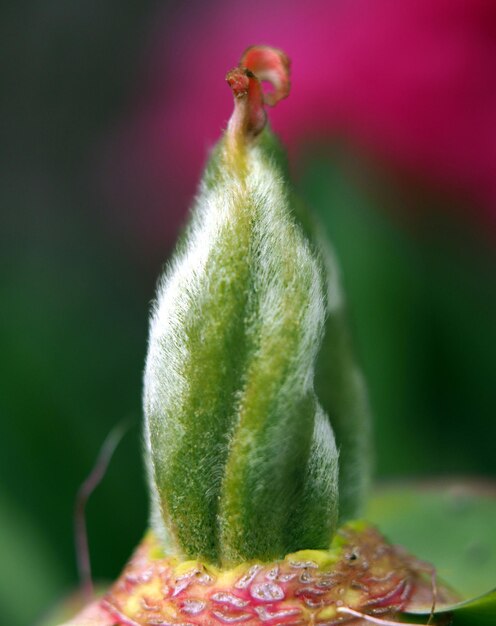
<point x="75" y="293"/>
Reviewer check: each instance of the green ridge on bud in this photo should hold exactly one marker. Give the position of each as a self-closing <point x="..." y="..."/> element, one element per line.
<point x="241" y="455"/>
<point x="339" y="382"/>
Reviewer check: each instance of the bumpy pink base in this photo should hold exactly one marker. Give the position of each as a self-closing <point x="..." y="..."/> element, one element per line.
<point x="364" y="574"/>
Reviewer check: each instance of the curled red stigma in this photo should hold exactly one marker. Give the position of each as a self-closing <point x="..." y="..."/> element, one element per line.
<point x="258" y="63"/>
<point x="271" y="65"/>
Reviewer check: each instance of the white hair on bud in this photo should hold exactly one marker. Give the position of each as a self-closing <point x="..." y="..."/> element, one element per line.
<point x="283" y="319"/>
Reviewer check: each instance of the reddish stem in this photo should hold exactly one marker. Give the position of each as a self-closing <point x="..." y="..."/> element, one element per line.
<point x="89" y="485"/>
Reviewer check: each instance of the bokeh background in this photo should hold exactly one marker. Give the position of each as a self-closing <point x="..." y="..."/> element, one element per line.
<point x="108" y="111"/>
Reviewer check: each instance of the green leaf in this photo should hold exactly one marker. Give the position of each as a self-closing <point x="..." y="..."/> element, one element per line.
<point x="29" y="566"/>
<point x="478" y="612"/>
<point x="451" y="525"/>
<point x="241" y="456"/>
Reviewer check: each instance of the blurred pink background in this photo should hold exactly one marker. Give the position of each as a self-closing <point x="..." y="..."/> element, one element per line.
<point x="407" y="84"/>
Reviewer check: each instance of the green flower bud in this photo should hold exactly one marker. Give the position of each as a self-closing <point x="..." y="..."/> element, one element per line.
<point x="241" y="455"/>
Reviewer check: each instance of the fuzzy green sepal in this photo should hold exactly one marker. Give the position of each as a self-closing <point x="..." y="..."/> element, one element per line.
<point x="339" y="382"/>
<point x="242" y="459"/>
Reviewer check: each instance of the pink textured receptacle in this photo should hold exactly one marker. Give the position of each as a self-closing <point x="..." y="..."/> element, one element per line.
<point x="362" y="574"/>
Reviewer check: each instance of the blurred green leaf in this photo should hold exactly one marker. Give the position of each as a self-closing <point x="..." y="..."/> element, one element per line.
<point x="450" y="525"/>
<point x="29" y="568"/>
<point x="478" y="612"/>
